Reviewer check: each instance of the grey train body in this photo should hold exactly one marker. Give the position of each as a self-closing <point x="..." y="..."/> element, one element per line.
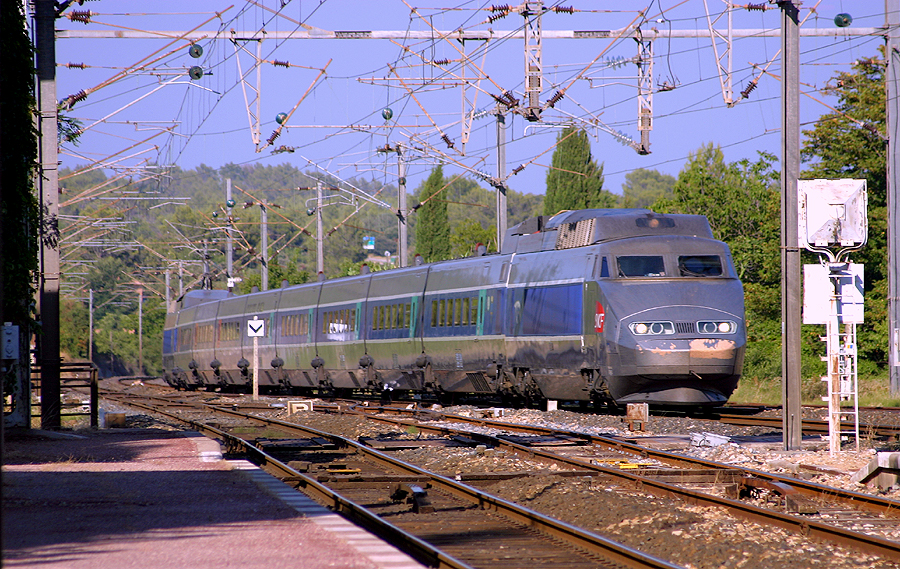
<point x="620" y="305"/>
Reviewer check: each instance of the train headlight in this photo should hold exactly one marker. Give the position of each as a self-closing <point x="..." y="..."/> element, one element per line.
<point x="716" y="327"/>
<point x="651" y="328"/>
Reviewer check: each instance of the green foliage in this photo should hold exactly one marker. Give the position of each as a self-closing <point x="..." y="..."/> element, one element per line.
<point x="574" y="180"/>
<point x="18" y="203"/>
<point x="643" y="188"/>
<point x="433" y="225"/>
<point x="468" y="234"/>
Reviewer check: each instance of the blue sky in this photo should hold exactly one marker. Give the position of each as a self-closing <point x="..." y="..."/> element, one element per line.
<point x="209" y="121"/>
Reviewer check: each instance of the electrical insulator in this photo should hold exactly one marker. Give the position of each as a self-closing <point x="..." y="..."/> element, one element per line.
<point x="280" y="118"/>
<point x="843" y="20"/>
<point x="387" y="113"/>
<point x="447" y="140"/>
<point x="441" y="61"/>
<point x="195" y="72"/>
<point x="195" y="51"/>
<point x="215" y="214"/>
<point x="83" y="16"/>
<point x="231" y="203"/>
<point x="277" y="63"/>
<point x="271" y="139"/>
<point x="518" y="169"/>
<point x="564" y="9"/>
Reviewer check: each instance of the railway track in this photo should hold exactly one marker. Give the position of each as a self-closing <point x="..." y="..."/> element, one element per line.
<point x="843" y="517"/>
<point x="441" y="522"/>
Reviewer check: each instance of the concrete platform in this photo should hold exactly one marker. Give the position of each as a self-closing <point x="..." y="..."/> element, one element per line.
<point x="883" y="471"/>
<point x="148" y="498"/>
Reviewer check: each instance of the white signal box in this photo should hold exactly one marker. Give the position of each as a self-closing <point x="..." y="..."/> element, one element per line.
<point x="832" y="212"/>
<point x="818" y="290"/>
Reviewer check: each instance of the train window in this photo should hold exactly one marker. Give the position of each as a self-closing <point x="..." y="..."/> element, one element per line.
<point x="604" y="268"/>
<point x="304" y="325"/>
<point x="352" y="319"/>
<point x="473" y="314"/>
<point x="457" y="309"/>
<point x="641" y="266"/>
<point x="465" y="312"/>
<point x="434" y="313"/>
<point x="395" y="314"/>
<point x="406" y="316"/>
<point x="442" y="311"/>
<point x="700" y="265"/>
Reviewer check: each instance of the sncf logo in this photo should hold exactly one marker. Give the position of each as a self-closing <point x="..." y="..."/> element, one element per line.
<point x="599" y="318"/>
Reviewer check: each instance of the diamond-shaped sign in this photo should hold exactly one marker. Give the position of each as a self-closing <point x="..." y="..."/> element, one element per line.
<point x="256" y="328"/>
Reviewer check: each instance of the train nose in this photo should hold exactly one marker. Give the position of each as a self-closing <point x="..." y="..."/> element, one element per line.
<point x="698" y="356"/>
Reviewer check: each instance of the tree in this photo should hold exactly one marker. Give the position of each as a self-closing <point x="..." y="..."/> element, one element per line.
<point x="468" y="234"/>
<point x="643" y="188"/>
<point x="851" y="143"/>
<point x="433" y="225"/>
<point x="574" y="180"/>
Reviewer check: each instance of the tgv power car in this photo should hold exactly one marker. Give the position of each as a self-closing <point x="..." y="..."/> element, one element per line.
<point x="618" y="305"/>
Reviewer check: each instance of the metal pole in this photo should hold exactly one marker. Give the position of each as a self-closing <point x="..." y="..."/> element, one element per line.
<point x="48" y="180"/>
<point x="255" y="368"/>
<point x="790" y="250"/>
<point x="169" y="307"/>
<point x="180" y="279"/>
<point x="91" y="321"/>
<point x="501" y="175"/>
<point x="140" y="331"/>
<point x="401" y="206"/>
<point x="264" y="244"/>
<point x="892" y="21"/>
<point x="229" y="246"/>
<point x="320" y="240"/>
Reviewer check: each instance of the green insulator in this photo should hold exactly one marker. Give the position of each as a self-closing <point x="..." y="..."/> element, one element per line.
<point x="280" y="118"/>
<point x="387" y="113"/>
<point x="843" y="20"/>
<point x="195" y="51"/>
<point x="195" y="72"/>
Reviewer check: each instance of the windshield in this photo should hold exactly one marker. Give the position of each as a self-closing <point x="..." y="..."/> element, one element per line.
<point x="641" y="266"/>
<point x="700" y="266"/>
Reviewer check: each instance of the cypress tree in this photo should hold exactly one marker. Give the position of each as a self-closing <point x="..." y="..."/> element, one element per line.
<point x="433" y="224"/>
<point x="574" y="180"/>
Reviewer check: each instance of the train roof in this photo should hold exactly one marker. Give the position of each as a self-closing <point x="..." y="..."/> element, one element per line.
<point x="583" y="227"/>
<point x="195" y="297"/>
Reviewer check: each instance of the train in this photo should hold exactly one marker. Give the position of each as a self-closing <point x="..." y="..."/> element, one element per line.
<point x="609" y="306"/>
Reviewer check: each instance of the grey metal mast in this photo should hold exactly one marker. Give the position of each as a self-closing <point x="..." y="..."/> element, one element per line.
<point x="790" y="250"/>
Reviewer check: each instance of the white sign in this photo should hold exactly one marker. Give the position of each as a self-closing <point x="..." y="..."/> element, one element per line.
<point x="256" y="328"/>
<point x="818" y="290"/>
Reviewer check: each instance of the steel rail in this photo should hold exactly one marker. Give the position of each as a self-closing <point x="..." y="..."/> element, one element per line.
<point x="867" y="502"/>
<point x="412" y="545"/>
<point x="813" y="529"/>
<point x="585" y="540"/>
<point x="588" y="541"/>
